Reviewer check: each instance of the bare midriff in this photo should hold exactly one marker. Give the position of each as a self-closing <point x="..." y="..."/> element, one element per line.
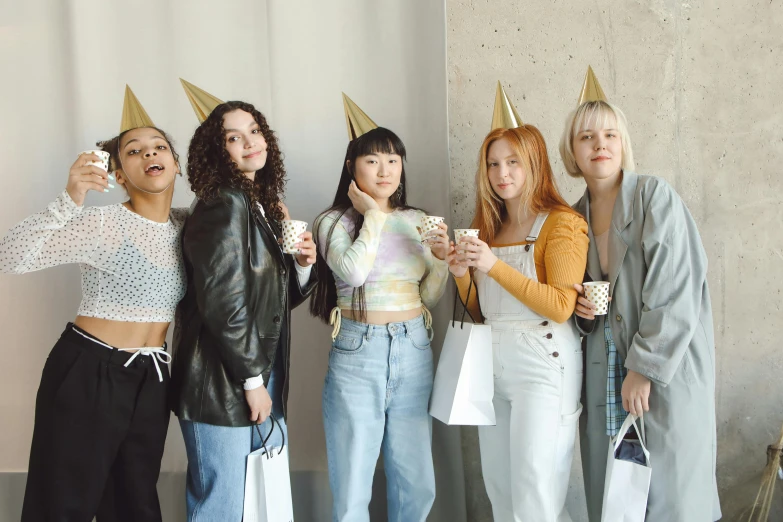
<point x="124" y="334"/>
<point x="382" y="316"/>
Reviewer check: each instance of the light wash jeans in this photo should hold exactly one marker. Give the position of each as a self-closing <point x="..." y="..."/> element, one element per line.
<point x="375" y="398"/>
<point x="217" y="459"/>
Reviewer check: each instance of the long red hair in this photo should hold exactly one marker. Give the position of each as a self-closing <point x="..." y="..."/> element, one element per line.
<point x="539" y="193"/>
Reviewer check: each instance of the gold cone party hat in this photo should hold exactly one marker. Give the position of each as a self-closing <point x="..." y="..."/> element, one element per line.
<point x="505" y="116"/>
<point x="357" y="121"/>
<point x="203" y="103"/>
<point x="133" y="114"/>
<point x="591" y="90"/>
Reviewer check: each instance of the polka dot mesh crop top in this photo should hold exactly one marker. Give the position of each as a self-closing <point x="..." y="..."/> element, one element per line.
<point x="132" y="268"/>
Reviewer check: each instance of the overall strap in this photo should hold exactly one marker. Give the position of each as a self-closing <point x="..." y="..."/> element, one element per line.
<point x="537" y="226"/>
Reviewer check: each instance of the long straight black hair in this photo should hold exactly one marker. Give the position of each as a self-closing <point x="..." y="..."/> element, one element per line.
<point x="376" y="141"/>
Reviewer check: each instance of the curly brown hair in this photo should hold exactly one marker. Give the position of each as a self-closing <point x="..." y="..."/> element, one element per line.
<point x="210" y="166"/>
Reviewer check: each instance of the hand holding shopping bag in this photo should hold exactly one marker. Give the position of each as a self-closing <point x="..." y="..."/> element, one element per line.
<point x="464" y="384"/>
<point x="268" y="483"/>
<point x="628" y="474"/>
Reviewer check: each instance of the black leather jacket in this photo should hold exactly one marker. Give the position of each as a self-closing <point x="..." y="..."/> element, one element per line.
<point x="236" y="312"/>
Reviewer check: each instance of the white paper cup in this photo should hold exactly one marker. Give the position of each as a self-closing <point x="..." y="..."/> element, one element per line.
<point x="292" y="229"/>
<point x="459" y="233"/>
<point x="430" y="223"/>
<point x="104" y="163"/>
<point x="597" y="292"/>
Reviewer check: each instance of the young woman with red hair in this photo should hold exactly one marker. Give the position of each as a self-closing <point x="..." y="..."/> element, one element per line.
<point x="531" y="250"/>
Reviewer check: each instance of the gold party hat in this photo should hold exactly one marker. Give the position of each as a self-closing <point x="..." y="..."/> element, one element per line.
<point x="505" y="116"/>
<point x="591" y="90"/>
<point x="357" y="121"/>
<point x="133" y="114"/>
<point x="203" y="103"/>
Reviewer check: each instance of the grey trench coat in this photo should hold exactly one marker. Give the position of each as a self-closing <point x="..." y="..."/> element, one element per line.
<point x="661" y="320"/>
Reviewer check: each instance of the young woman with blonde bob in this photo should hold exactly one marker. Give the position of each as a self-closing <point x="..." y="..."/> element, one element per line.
<point x="653" y="354"/>
<point x="531" y="249"/>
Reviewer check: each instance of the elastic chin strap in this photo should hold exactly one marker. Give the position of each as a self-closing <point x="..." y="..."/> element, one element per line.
<point x="127" y="178"/>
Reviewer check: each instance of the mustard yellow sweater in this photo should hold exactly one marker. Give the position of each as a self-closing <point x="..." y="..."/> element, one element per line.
<point x="560" y="256"/>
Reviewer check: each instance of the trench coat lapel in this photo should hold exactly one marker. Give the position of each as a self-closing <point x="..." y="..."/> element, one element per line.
<point x="622" y="215"/>
<point x="593" y="261"/>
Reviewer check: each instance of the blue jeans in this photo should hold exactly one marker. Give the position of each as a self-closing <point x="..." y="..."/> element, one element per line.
<point x="375" y="398"/>
<point x="217" y="457"/>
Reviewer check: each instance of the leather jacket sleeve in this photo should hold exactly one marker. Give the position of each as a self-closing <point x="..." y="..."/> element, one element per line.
<point x="585" y="326"/>
<point x="216" y="242"/>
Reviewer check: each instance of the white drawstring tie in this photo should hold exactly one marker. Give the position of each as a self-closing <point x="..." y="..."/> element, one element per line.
<point x="157" y="354"/>
<point x="335" y="319"/>
<point x="427" y="315"/>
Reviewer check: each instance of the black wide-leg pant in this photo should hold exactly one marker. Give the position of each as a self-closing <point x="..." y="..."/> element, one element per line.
<point x="99" y="434"/>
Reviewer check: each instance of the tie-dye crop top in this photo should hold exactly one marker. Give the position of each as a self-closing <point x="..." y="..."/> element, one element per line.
<point x="397" y="270"/>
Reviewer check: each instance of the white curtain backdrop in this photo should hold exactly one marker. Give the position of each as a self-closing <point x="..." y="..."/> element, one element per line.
<point x="65" y="66"/>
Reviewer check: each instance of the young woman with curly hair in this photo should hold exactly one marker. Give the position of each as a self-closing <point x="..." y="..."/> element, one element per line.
<point x="232" y="334"/>
<point x="101" y="412"/>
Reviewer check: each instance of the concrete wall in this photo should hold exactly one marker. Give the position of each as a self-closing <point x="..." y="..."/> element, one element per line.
<point x="699" y="82"/>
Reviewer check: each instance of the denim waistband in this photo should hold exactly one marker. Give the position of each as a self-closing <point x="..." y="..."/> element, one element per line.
<point x="382" y="330"/>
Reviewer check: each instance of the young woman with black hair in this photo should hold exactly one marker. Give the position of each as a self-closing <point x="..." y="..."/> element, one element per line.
<point x="376" y="280"/>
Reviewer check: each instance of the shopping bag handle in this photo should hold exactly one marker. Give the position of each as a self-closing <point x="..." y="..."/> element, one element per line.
<point x="265" y="440"/>
<point x="464" y="306"/>
<point x="630" y="420"/>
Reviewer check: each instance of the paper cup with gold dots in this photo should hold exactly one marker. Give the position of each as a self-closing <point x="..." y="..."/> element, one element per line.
<point x="429" y="223"/>
<point x="104" y="163"/>
<point x="292" y="229"/>
<point x="597" y="292"/>
<point x="459" y="233"/>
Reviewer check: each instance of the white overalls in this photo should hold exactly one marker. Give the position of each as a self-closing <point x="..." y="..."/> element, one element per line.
<point x="526" y="457"/>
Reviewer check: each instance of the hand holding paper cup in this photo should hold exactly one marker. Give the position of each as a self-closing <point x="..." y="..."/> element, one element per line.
<point x="429" y="223"/>
<point x="292" y="229"/>
<point x="103" y="164"/>
<point x="597" y="292"/>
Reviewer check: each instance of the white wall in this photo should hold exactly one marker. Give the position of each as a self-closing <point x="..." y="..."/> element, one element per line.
<point x="66" y="65"/>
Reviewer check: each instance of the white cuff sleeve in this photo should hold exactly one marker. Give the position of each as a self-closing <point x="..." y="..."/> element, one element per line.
<point x="303" y="273"/>
<point x="253" y="383"/>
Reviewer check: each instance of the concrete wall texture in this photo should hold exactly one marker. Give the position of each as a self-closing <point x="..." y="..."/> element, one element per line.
<point x="699" y="83"/>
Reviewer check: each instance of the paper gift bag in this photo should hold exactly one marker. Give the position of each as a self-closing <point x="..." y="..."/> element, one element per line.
<point x="628" y="475"/>
<point x="268" y="483"/>
<point x="464" y="384"/>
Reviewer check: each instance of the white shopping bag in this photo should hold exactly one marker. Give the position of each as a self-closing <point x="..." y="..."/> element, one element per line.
<point x="268" y="484"/>
<point x="627" y="483"/>
<point x="464" y="385"/>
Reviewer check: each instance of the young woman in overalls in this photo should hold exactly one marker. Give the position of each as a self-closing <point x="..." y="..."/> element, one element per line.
<point x="531" y="248"/>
